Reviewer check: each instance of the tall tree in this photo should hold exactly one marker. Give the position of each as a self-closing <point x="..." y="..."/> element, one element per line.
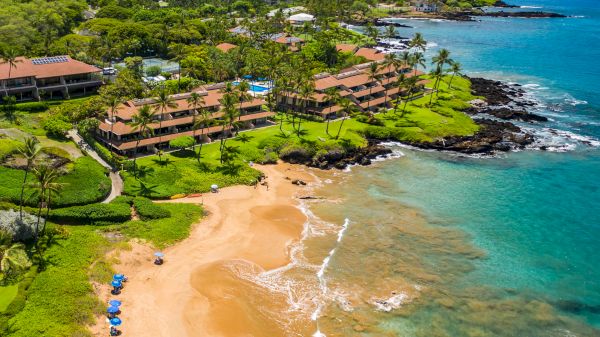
<point x="163" y="103"/>
<point x="307" y="90"/>
<point x="418" y="43"/>
<point x="411" y="82"/>
<point x="436" y="75"/>
<point x="11" y="57"/>
<point x="418" y="60"/>
<point x="113" y="102"/>
<point x="390" y="32"/>
<point x="242" y="95"/>
<point x="30" y="150"/>
<point x="373" y="74"/>
<point x="194" y="102"/>
<point x="202" y="122"/>
<point x="141" y="122"/>
<point x="456" y="69"/>
<point x="46" y="177"/>
<point x="229" y="114"/>
<point x="177" y="53"/>
<point x="348" y="107"/>
<point x="332" y="96"/>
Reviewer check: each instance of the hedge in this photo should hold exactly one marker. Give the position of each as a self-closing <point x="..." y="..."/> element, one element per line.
<point x="32" y="106"/>
<point x="146" y="209"/>
<point x="92" y="214"/>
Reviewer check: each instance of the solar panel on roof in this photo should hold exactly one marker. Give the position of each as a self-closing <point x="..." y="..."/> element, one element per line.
<point x="50" y="60"/>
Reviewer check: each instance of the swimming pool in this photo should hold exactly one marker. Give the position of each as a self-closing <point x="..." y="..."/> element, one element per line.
<point x="255" y="87"/>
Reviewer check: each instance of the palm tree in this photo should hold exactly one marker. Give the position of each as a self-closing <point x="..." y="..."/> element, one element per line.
<point x="418" y="60"/>
<point x="456" y="69"/>
<point x="307" y="90"/>
<point x="390" y="60"/>
<point x="195" y="101"/>
<point x="113" y="103"/>
<point x="202" y="123"/>
<point x="177" y="52"/>
<point x="373" y="76"/>
<point x="411" y="83"/>
<point x="141" y="122"/>
<point x="242" y="88"/>
<point x="442" y="58"/>
<point x="10" y="56"/>
<point x="332" y="96"/>
<point x="230" y="112"/>
<point x="30" y="149"/>
<point x="401" y="84"/>
<point x="418" y="42"/>
<point x="437" y="75"/>
<point x="390" y="32"/>
<point x="12" y="255"/>
<point x="372" y="32"/>
<point x="46" y="177"/>
<point x="348" y="107"/>
<point x="162" y="103"/>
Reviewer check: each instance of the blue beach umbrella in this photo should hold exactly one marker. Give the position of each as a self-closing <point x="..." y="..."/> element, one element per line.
<point x="115" y="283"/>
<point x="115" y="321"/>
<point x="118" y="277"/>
<point x="114" y="303"/>
<point x="112" y="310"/>
<point x="262" y="79"/>
<point x="159" y="254"/>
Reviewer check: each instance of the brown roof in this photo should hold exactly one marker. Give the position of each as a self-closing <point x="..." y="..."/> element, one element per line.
<point x="370" y="54"/>
<point x="225" y="47"/>
<point x="26" y="68"/>
<point x="326" y="83"/>
<point x="348" y="48"/>
<point x="211" y="99"/>
<point x="154" y="140"/>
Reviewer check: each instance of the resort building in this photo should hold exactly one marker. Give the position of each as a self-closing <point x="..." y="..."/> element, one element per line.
<point x="356" y="84"/>
<point x="116" y="132"/>
<point x="300" y="19"/>
<point x="424" y="6"/>
<point x="48" y="77"/>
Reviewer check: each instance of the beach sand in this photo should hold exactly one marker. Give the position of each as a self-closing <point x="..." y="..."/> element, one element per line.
<point x="195" y="292"/>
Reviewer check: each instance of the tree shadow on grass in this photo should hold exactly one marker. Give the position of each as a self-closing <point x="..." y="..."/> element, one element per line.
<point x="162" y="163"/>
<point x="183" y="154"/>
<point x="231" y="169"/>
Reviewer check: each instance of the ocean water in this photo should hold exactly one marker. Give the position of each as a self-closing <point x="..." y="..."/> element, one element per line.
<point x="436" y="244"/>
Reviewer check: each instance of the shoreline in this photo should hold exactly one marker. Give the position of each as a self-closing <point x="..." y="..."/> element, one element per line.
<point x="184" y="296"/>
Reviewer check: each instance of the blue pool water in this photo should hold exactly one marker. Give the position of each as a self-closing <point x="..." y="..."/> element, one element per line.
<point x="255" y="87"/>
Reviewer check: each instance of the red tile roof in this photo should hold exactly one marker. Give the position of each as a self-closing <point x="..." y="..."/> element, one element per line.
<point x="26" y="68"/>
<point x="347" y="48"/>
<point x="370" y="54"/>
<point x="225" y="47"/>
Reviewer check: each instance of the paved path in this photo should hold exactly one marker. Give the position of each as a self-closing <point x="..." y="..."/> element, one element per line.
<point x="116" y="180"/>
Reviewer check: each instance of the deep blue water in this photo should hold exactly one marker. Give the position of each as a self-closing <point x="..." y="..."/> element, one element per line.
<point x="535" y="213"/>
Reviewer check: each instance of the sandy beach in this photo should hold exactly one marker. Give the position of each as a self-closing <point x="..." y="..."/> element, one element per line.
<point x="195" y="293"/>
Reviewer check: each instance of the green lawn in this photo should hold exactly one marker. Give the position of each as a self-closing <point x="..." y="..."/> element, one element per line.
<point x="180" y="172"/>
<point x="60" y="300"/>
<point x="167" y="231"/>
<point x="85" y="182"/>
<point x="7" y="294"/>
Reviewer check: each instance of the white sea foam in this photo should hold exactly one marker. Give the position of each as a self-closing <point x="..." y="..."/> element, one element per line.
<point x="531" y="7"/>
<point x="391" y="303"/>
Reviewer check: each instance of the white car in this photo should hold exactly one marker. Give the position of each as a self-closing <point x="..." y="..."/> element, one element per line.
<point x="109" y="71"/>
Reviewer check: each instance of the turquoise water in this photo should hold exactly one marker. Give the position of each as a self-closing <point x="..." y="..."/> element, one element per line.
<point x="535" y="214"/>
<point x="255" y="87"/>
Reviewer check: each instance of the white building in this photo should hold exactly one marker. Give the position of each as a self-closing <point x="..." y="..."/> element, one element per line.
<point x="301" y="18"/>
<point x="424" y="6"/>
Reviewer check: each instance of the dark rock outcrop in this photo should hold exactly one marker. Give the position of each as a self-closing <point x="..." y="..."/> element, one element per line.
<point x="509" y="114"/>
<point x="493" y="136"/>
<point x="502" y="14"/>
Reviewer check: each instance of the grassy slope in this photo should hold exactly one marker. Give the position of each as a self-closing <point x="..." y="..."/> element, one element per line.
<point x="61" y="301"/>
<point x="181" y="173"/>
<point x="444" y="118"/>
<point x="7" y="294"/>
<point x="85" y="182"/>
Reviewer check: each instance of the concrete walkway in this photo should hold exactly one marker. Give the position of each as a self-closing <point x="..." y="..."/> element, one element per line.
<point x="116" y="180"/>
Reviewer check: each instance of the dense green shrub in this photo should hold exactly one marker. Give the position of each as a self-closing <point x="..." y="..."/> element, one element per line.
<point x="146" y="209"/>
<point x="57" y="126"/>
<point x="182" y="142"/>
<point x="378" y="132"/>
<point x="92" y="213"/>
<point x="32" y="106"/>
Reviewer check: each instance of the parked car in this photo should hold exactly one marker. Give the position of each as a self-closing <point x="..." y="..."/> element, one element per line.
<point x="109" y="71"/>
